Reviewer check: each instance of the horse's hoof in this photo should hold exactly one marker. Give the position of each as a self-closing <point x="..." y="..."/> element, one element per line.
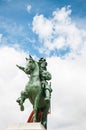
<point x="18" y="100"/>
<point x="22" y="108"/>
<point x="45" y="124"/>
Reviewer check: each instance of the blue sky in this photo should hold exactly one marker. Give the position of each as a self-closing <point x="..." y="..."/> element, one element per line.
<point x="55" y="29"/>
<point x="14" y="14"/>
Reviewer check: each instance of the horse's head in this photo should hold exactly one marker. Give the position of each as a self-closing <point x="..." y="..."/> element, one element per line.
<point x="30" y="65"/>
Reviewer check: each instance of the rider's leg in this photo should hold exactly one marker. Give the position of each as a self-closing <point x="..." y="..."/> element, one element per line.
<point x="47" y="92"/>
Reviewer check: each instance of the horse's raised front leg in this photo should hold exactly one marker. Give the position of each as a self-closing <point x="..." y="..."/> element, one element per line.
<point x="21" y="100"/>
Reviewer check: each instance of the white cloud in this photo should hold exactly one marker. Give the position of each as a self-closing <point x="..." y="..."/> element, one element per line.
<point x="68" y="105"/>
<point x="29" y="8"/>
<point x="62" y="15"/>
<point x="59" y="31"/>
<point x="68" y="109"/>
<point x="12" y="81"/>
<point x="42" y="26"/>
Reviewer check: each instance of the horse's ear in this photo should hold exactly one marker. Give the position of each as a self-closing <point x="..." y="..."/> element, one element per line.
<point x="30" y="56"/>
<point x="26" y="58"/>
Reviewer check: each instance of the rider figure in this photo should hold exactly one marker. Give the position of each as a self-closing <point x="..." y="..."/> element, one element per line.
<point x="44" y="76"/>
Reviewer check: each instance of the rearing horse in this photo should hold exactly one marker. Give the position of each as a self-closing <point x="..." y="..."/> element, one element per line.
<point x="34" y="92"/>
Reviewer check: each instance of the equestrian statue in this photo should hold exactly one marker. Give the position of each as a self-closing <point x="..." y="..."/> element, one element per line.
<point x="38" y="90"/>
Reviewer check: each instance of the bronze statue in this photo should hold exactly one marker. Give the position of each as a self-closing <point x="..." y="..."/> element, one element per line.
<point x="38" y="90"/>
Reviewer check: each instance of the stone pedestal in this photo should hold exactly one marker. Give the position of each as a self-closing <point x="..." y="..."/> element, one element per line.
<point x="26" y="126"/>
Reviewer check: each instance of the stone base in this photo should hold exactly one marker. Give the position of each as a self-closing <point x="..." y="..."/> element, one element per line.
<point x="26" y="126"/>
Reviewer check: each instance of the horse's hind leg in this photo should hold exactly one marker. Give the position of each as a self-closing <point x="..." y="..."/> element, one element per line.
<point x="44" y="115"/>
<point x="36" y="102"/>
